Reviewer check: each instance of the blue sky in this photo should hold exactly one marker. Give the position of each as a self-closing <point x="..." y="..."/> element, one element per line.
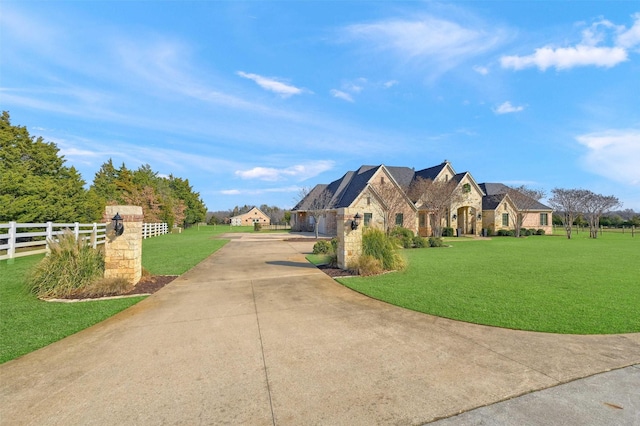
<point x="252" y="101"/>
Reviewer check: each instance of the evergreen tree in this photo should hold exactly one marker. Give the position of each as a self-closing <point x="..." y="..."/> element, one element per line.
<point x="35" y="185"/>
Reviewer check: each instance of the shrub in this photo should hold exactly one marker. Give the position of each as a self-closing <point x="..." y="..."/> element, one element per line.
<point x="540" y="232"/>
<point x="322" y="247"/>
<point x="436" y="242"/>
<point x="447" y="232"/>
<point x="367" y="265"/>
<point x="257" y="226"/>
<point x="505" y="233"/>
<point x="334" y="244"/>
<point x="419" y="242"/>
<point x="376" y="244"/>
<point x="403" y="236"/>
<point x="70" y="268"/>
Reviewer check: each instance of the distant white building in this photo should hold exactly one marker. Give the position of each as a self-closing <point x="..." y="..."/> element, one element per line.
<point x="255" y="215"/>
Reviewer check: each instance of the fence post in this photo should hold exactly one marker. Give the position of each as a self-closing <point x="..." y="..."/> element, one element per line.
<point x="76" y="230"/>
<point x="11" y="251"/>
<point x="49" y="237"/>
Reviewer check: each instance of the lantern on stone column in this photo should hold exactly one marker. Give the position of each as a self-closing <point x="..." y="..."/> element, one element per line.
<point x="118" y="225"/>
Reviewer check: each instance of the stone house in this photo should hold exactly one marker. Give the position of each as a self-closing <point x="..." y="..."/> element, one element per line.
<point x="255" y="215"/>
<point x="381" y="195"/>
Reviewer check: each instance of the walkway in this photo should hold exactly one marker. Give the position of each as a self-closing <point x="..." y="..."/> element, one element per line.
<point x="255" y="335"/>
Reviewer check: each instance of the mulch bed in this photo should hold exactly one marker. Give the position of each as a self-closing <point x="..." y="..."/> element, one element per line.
<point x="335" y="272"/>
<point x="147" y="285"/>
<point x="151" y="284"/>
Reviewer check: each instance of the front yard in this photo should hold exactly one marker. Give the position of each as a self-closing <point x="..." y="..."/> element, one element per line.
<point x="540" y="283"/>
<point x="27" y="323"/>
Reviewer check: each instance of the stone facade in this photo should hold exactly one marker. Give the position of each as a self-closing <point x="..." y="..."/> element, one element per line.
<point x="350" y="240"/>
<point x="123" y="254"/>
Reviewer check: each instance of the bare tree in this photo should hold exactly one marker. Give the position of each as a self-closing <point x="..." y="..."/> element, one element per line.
<point x="436" y="197"/>
<point x="394" y="199"/>
<point x="315" y="203"/>
<point x="525" y="200"/>
<point x="569" y="203"/>
<point x="595" y="205"/>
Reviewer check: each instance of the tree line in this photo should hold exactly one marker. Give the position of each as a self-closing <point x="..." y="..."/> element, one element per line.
<point x="37" y="186"/>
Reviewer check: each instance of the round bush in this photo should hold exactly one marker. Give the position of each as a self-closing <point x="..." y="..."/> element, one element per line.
<point x="447" y="232"/>
<point x="419" y="242"/>
<point x="436" y="242"/>
<point x="322" y="247"/>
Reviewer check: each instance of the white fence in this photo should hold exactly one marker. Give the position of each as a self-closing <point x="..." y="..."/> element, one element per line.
<point x="154" y="229"/>
<point x="25" y="239"/>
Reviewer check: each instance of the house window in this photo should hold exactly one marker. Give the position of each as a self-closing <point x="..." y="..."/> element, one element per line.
<point x="544" y="219"/>
<point x="368" y="201"/>
<point x="423" y="220"/>
<point x="399" y="219"/>
<point x="505" y="219"/>
<point x="466" y="188"/>
<point x="382" y="180"/>
<point x="367" y="218"/>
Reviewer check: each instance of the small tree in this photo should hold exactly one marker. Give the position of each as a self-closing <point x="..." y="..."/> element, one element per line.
<point x="436" y="197"/>
<point x="525" y="200"/>
<point x="595" y="205"/>
<point x="568" y="203"/>
<point x="315" y="203"/>
<point x="394" y="200"/>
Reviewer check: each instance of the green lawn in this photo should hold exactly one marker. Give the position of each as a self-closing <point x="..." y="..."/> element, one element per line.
<point x="550" y="284"/>
<point x="27" y="323"/>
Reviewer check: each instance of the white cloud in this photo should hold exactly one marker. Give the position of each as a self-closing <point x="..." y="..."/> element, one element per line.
<point x="567" y="57"/>
<point x="341" y="95"/>
<point x="441" y="44"/>
<point x="507" y="108"/>
<point x="272" y="84"/>
<point x="299" y="172"/>
<point x="603" y="44"/>
<point x="389" y="84"/>
<point x="481" y="70"/>
<point x="631" y="37"/>
<point x="613" y="154"/>
<point x="230" y="192"/>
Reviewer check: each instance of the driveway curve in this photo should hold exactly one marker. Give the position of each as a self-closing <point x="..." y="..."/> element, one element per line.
<point x="256" y="335"/>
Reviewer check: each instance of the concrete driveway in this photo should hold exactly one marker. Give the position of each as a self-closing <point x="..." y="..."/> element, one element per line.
<point x="255" y="335"/>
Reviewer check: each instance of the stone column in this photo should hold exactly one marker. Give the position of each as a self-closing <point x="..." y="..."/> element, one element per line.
<point x="350" y="240"/>
<point x="123" y="254"/>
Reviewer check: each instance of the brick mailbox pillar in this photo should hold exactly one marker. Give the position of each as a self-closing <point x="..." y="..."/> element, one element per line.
<point x="123" y="253"/>
<point x="350" y="240"/>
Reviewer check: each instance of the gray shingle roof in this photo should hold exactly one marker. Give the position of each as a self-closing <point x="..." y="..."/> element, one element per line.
<point x="431" y="172"/>
<point x="343" y="192"/>
<point x="499" y="188"/>
<point x="491" y="202"/>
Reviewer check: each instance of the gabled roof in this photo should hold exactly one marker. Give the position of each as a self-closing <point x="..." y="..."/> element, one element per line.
<point x="344" y="191"/>
<point x="499" y="188"/>
<point x="431" y="172"/>
<point x="491" y="202"/>
<point x="494" y="188"/>
<point x="250" y="210"/>
<point x="402" y="175"/>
